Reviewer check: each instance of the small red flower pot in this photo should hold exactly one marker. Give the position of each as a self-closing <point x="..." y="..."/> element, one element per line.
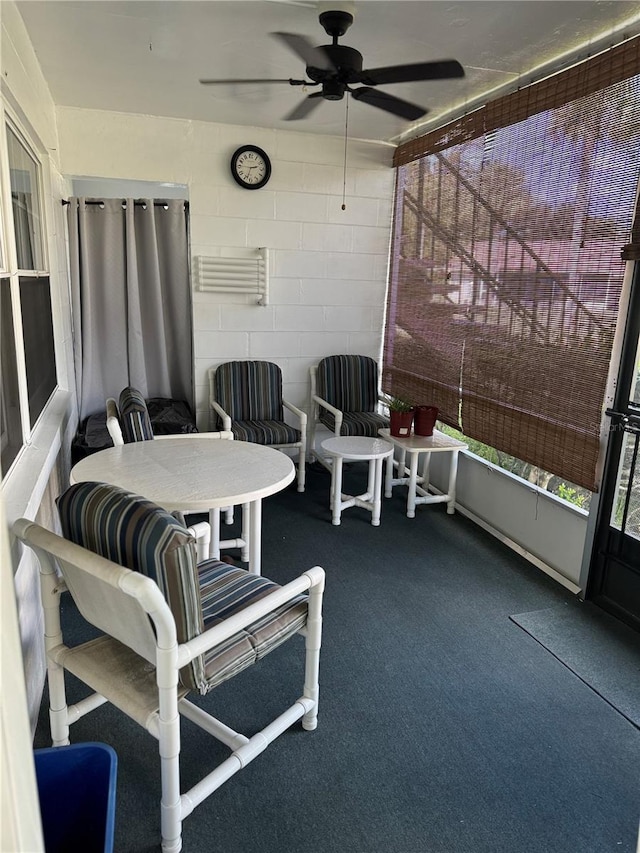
<point x="425" y="420"/>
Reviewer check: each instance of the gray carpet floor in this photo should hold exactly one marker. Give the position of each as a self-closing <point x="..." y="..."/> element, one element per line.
<point x="443" y="726"/>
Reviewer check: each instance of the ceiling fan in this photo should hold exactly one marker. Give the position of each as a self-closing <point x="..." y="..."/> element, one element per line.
<point x="337" y="68"/>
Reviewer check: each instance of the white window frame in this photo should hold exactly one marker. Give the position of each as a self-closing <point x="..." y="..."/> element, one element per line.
<point x="11" y="270"/>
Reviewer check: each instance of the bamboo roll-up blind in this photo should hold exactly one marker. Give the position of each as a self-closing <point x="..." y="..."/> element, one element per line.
<point x="506" y="266"/>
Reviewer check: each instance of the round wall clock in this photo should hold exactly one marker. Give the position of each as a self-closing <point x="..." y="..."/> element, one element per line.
<point x="250" y="167"/>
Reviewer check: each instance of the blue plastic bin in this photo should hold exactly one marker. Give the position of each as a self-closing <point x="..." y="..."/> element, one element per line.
<point x="77" y="790"/>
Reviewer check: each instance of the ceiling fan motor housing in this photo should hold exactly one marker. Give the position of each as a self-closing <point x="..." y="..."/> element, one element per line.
<point x="346" y="61"/>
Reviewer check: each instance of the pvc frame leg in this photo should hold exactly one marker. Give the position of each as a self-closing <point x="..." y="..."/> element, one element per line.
<point x="336" y="490"/>
<point x="255" y="523"/>
<point x="375" y="467"/>
<point x="413" y="480"/>
<point x="453" y="475"/>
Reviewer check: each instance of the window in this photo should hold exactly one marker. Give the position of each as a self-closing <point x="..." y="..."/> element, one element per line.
<point x="25" y="204"/>
<point x="28" y="352"/>
<point x="10" y="409"/>
<point x="506" y="269"/>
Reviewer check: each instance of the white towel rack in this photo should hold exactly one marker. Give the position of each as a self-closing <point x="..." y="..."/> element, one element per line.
<point x="248" y="273"/>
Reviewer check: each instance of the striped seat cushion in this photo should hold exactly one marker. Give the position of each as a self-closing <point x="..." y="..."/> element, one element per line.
<point x="136" y="533"/>
<point x="250" y="390"/>
<point x="356" y="423"/>
<point x="348" y="382"/>
<point x="134" y="416"/>
<point x="226" y="590"/>
<point x="265" y="432"/>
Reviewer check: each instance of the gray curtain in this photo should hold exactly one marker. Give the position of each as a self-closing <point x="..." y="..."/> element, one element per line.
<point x="131" y="298"/>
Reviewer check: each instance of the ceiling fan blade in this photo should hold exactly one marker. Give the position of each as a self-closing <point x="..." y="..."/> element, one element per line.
<point x="314" y="57"/>
<point x="442" y="69"/>
<point x="245" y="80"/>
<point x="390" y="103"/>
<point x="304" y="107"/>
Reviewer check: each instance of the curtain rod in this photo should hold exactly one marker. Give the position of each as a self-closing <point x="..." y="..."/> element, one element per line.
<point x="136" y="203"/>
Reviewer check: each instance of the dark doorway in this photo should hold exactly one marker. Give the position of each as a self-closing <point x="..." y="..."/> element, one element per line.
<point x="614" y="575"/>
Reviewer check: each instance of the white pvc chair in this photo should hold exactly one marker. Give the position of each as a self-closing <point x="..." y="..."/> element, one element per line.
<point x="246" y="398"/>
<point x="345" y="399"/>
<point x="131" y="569"/>
<point x="140" y="429"/>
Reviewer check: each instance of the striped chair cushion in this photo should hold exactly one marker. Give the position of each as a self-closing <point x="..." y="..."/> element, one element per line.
<point x="136" y="533"/>
<point x="250" y="390"/>
<point x="226" y="590"/>
<point x="265" y="432"/>
<point x="356" y="423"/>
<point x="348" y="382"/>
<point x="134" y="416"/>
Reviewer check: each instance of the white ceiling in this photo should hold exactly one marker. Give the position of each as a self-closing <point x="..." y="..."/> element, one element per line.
<point x="146" y="56"/>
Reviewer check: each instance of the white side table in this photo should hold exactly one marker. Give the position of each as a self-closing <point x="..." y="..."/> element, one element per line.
<point x="351" y="449"/>
<point x="416" y="445"/>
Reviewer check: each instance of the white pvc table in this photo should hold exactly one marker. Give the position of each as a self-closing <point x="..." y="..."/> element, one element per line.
<point x="195" y="476"/>
<point x="356" y="448"/>
<point x="415" y="446"/>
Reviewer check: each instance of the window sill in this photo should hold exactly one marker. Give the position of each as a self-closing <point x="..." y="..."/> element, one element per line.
<point x="24" y="486"/>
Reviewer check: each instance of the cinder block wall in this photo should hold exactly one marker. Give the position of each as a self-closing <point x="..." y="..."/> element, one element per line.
<point x="328" y="266"/>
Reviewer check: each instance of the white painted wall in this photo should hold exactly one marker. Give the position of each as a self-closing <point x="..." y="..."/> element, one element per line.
<point x="328" y="266"/>
<point x="547" y="530"/>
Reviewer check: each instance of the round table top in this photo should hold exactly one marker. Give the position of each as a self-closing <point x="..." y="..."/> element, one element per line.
<point x="357" y="447"/>
<point x="190" y="472"/>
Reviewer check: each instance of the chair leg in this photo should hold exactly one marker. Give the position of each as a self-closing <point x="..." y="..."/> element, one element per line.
<point x="58" y="709"/>
<point x="313" y="641"/>
<point x="169" y="749"/>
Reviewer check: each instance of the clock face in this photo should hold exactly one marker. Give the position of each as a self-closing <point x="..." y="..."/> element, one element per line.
<point x="251" y="167"/>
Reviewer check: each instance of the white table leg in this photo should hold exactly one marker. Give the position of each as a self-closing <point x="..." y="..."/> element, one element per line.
<point x="376" y="491"/>
<point x="336" y="489"/>
<point x="453" y="476"/>
<point x="214" y="542"/>
<point x="402" y="463"/>
<point x="388" y="479"/>
<point x="255" y="524"/>
<point x="371" y="482"/>
<point x="245" y="533"/>
<point x="413" y="477"/>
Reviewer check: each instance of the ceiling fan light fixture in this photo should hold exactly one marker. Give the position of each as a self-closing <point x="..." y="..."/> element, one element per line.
<point x="333" y="90"/>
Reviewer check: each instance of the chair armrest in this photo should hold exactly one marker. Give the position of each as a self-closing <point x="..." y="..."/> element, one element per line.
<point x="113" y="422"/>
<point x="298" y="412"/>
<point x="384" y="400"/>
<point x="221" y="434"/>
<point x="226" y="419"/>
<point x="311" y="579"/>
<point x="337" y="413"/>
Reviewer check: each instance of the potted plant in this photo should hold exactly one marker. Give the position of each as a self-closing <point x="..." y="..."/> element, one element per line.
<point x="424" y="420"/>
<point x="400" y="417"/>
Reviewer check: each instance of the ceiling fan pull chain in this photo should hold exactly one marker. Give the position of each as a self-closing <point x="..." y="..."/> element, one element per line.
<point x="344" y="172"/>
